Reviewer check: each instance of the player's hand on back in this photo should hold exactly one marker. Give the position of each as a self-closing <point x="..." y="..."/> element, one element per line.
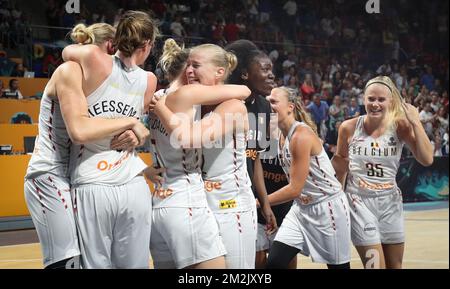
<point x="155" y="175"/>
<point x="155" y="102"/>
<point x="125" y="141"/>
<point x="141" y="132"/>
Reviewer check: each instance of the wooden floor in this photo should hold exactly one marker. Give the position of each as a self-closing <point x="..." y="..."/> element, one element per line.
<point x="427" y="245"/>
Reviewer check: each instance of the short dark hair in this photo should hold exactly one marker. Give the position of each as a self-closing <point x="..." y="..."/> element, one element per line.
<point x="246" y="52"/>
<point x="11" y="81"/>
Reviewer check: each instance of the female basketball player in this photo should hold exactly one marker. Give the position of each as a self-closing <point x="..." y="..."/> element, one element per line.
<point x="318" y="223"/>
<point x="64" y="118"/>
<point x="228" y="186"/>
<point x="113" y="199"/>
<point x="255" y="70"/>
<point x="185" y="232"/>
<point x="369" y="150"/>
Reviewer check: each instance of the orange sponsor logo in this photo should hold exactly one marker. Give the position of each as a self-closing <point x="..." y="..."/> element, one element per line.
<point x="162" y="193"/>
<point x="252" y="154"/>
<point x="105" y="166"/>
<point x="366" y="185"/>
<point x="211" y="186"/>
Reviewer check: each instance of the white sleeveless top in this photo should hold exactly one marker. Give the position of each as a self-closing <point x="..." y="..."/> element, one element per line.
<point x="373" y="163"/>
<point x="183" y="185"/>
<point x="120" y="95"/>
<point x="52" y="145"/>
<point x="321" y="183"/>
<point x="227" y="184"/>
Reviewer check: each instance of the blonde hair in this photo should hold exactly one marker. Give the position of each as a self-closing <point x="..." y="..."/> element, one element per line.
<point x="396" y="111"/>
<point x="219" y="57"/>
<point x="97" y="33"/>
<point x="300" y="113"/>
<point x="135" y="28"/>
<point x="173" y="59"/>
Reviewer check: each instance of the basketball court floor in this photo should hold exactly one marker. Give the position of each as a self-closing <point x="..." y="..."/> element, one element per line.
<point x="426" y="246"/>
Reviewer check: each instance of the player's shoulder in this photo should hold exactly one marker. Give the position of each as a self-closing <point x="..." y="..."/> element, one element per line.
<point x="349" y="125"/>
<point x="303" y="133"/>
<point x="67" y="69"/>
<point x="234" y="105"/>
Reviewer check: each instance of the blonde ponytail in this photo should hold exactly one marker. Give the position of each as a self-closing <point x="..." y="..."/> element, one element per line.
<point x="173" y="59"/>
<point x="300" y="113"/>
<point x="219" y="57"/>
<point x="232" y="61"/>
<point x="82" y="35"/>
<point x="97" y="33"/>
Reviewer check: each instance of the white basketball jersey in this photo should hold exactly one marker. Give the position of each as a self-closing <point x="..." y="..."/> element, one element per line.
<point x="52" y="145"/>
<point x="120" y="95"/>
<point x="373" y="163"/>
<point x="183" y="185"/>
<point x="321" y="182"/>
<point x="227" y="184"/>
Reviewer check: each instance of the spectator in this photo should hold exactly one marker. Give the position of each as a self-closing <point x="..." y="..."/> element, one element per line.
<point x="435" y="102"/>
<point x="290" y="72"/>
<point x="346" y="90"/>
<point x="401" y="79"/>
<point x="19" y="70"/>
<point x="445" y="143"/>
<point x="317" y="75"/>
<point x="354" y="109"/>
<point x="13" y="90"/>
<point x="279" y="82"/>
<point x="427" y="118"/>
<point x="176" y="27"/>
<point x="51" y="62"/>
<point x="358" y="91"/>
<point x="290" y="18"/>
<point x="438" y="145"/>
<point x="265" y="10"/>
<point x="413" y="69"/>
<point x="290" y="61"/>
<point x="253" y="10"/>
<point x="327" y="88"/>
<point x="293" y="83"/>
<point x="2" y="88"/>
<point x="438" y="86"/>
<point x="444" y="99"/>
<point x="422" y="95"/>
<point x="6" y="65"/>
<point x="442" y="120"/>
<point x="384" y="69"/>
<point x="337" y="112"/>
<point x="52" y="13"/>
<point x="231" y="30"/>
<point x="331" y="139"/>
<point x="319" y="112"/>
<point x="159" y="8"/>
<point x="307" y="87"/>
<point x="428" y="79"/>
<point x="337" y="83"/>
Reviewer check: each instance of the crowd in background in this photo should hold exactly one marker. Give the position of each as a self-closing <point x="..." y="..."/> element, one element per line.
<point x="324" y="49"/>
